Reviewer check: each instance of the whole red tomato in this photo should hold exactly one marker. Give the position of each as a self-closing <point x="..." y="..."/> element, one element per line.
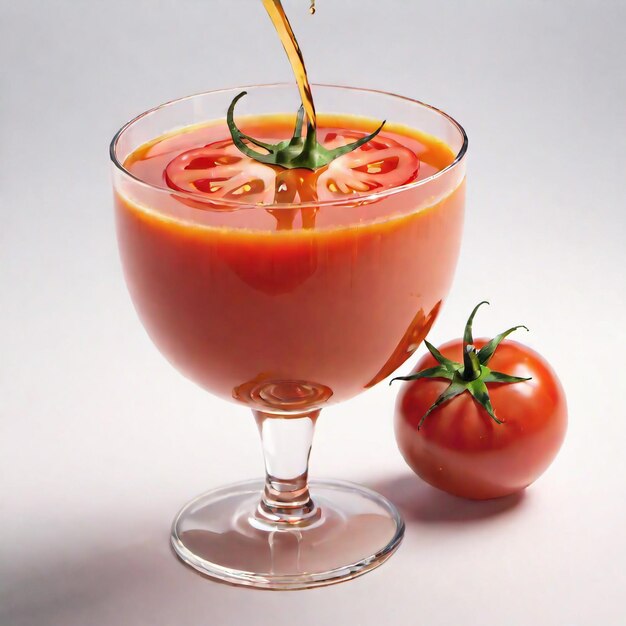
<point x="460" y="447"/>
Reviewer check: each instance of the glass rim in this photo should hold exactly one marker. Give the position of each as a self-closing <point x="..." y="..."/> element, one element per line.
<point x="236" y="204"/>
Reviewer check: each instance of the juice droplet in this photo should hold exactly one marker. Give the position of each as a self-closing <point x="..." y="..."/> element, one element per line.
<point x="312" y="7"/>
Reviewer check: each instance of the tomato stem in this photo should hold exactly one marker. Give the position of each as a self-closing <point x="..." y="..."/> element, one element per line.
<point x="471" y="365"/>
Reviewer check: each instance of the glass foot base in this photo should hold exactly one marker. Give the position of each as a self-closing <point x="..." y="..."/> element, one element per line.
<point x="219" y="535"/>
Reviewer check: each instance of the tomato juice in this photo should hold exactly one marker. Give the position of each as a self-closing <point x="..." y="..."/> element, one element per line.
<point x="289" y="306"/>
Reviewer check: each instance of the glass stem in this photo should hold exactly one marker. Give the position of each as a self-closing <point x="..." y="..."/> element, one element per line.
<point x="286" y="448"/>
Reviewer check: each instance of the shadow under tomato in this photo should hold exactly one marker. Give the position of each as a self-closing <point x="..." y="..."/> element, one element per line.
<point x="418" y="502"/>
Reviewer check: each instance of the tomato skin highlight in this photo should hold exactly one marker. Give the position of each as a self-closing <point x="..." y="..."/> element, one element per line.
<point x="461" y="449"/>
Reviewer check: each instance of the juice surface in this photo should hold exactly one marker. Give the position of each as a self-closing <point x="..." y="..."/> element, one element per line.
<point x="270" y="305"/>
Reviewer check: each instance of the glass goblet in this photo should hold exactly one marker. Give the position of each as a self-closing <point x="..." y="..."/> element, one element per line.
<point x="287" y="308"/>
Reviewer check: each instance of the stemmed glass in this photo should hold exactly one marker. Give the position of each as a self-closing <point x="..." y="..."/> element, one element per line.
<point x="287" y="308"/>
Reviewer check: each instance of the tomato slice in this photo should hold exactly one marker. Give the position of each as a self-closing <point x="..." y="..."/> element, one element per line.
<point x="220" y="171"/>
<point x="381" y="163"/>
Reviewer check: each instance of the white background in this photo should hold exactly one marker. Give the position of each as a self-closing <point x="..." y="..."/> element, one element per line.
<point x="101" y="440"/>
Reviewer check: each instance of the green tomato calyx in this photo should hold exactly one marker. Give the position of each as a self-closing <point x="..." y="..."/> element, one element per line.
<point x="301" y="151"/>
<point x="472" y="375"/>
